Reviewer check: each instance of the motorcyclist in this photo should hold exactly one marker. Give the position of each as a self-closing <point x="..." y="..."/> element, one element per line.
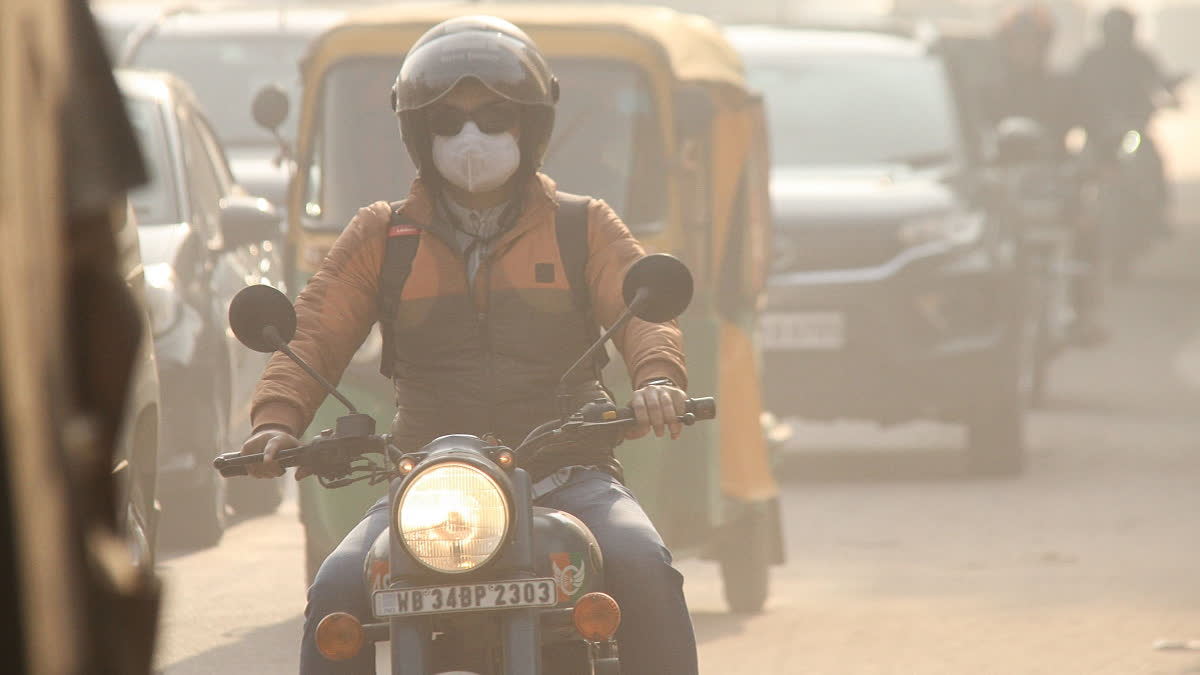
<point x="485" y="326"/>
<point x="1021" y="83"/>
<point x="1118" y="82"/>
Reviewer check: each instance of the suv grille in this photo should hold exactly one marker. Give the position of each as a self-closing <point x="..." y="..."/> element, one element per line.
<point x="820" y="248"/>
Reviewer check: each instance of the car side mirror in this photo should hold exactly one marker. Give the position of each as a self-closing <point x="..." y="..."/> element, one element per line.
<point x="270" y="107"/>
<point x="248" y="220"/>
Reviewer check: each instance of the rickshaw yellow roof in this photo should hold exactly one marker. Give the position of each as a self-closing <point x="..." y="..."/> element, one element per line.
<point x="694" y="45"/>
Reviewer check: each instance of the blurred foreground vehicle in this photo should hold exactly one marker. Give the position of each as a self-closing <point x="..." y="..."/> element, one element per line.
<point x="202" y="240"/>
<point x="72" y="599"/>
<point x="656" y="118"/>
<point x="135" y="466"/>
<point x="894" y="294"/>
<point x="226" y="53"/>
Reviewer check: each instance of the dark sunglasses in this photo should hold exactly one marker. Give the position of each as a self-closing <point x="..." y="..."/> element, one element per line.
<point x="492" y="118"/>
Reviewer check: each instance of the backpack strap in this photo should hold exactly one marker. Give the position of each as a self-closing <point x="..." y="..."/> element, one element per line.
<point x="402" y="240"/>
<point x="571" y="229"/>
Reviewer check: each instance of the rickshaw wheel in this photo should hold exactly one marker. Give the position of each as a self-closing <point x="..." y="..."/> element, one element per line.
<point x="745" y="565"/>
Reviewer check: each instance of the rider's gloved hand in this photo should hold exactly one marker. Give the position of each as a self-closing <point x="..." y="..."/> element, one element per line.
<point x="269" y="441"/>
<point x="657" y="406"/>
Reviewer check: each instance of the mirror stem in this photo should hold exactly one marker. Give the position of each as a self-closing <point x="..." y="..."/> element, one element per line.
<point x="589" y="356"/>
<point x="272" y="335"/>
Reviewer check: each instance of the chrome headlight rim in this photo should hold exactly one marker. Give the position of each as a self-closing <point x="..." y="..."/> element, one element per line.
<point x="469" y="460"/>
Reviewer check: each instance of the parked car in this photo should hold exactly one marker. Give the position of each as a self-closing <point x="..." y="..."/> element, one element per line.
<point x="135" y="463"/>
<point x="226" y="54"/>
<point x="894" y="293"/>
<point x="202" y="238"/>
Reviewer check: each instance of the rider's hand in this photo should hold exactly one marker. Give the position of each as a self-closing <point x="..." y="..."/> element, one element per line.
<point x="270" y="442"/>
<point x="657" y="406"/>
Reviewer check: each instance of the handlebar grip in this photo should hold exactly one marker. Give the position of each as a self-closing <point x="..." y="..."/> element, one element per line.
<point x="232" y="464"/>
<point x="700" y="408"/>
<point x="703" y="408"/>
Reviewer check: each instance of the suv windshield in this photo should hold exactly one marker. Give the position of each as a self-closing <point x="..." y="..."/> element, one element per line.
<point x="828" y="110"/>
<point x="153" y="203"/>
<point x="606" y="141"/>
<point x="226" y="73"/>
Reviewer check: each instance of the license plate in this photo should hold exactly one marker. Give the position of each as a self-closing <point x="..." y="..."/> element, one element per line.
<point x="465" y="598"/>
<point x="803" y="331"/>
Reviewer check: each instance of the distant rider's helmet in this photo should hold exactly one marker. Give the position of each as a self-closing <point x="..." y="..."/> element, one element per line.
<point x="499" y="56"/>
<point x="1028" y="27"/>
<point x="1118" y="27"/>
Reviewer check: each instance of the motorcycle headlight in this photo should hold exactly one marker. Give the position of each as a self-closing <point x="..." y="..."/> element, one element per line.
<point x="955" y="229"/>
<point x="162" y="300"/>
<point x="453" y="517"/>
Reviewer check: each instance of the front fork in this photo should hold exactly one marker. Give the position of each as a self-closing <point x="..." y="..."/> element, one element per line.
<point x="520" y="629"/>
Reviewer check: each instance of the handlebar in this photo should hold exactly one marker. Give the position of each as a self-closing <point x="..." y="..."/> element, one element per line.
<point x="334" y="451"/>
<point x="695" y="409"/>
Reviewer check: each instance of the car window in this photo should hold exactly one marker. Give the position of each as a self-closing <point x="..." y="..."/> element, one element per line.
<point x="220" y="162"/>
<point x="826" y="109"/>
<point x="204" y="185"/>
<point x="227" y="71"/>
<point x="156" y="202"/>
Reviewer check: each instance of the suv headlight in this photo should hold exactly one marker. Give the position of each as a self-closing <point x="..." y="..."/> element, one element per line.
<point x="955" y="229"/>
<point x="452" y="517"/>
<point x="162" y="298"/>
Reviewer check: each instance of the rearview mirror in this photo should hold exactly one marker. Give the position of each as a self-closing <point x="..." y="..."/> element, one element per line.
<point x="259" y="313"/>
<point x="270" y="107"/>
<point x="248" y="220"/>
<point x="658" y="288"/>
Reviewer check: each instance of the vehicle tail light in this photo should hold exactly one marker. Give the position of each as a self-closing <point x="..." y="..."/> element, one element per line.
<point x="597" y="617"/>
<point x="340" y="636"/>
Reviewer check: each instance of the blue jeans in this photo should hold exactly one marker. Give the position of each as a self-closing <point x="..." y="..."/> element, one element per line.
<point x="656" y="636"/>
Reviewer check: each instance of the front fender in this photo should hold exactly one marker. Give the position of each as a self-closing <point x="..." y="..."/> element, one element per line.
<point x="565" y="550"/>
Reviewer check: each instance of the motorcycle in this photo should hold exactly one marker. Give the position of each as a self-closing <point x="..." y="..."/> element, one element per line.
<point x="1035" y="189"/>
<point x="471" y="577"/>
<point x="1125" y="196"/>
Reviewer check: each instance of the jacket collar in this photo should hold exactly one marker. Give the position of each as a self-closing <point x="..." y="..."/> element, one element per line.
<point x="540" y="200"/>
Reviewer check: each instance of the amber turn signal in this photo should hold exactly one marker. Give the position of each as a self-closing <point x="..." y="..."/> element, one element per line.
<point x="407" y="465"/>
<point x="505" y="459"/>
<point x="340" y="636"/>
<point x="597" y="617"/>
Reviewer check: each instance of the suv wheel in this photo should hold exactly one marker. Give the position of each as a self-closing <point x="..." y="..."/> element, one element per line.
<point x="195" y="517"/>
<point x="996" y="420"/>
<point x="996" y="423"/>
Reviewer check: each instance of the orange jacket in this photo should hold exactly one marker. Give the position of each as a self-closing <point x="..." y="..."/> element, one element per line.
<point x="338" y="307"/>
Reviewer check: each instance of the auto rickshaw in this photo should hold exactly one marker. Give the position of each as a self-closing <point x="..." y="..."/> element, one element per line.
<point x="656" y="118"/>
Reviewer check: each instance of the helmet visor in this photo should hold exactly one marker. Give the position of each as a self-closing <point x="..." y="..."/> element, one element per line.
<point x="508" y="67"/>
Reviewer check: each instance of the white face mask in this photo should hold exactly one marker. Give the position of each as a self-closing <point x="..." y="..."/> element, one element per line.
<point x="475" y="161"/>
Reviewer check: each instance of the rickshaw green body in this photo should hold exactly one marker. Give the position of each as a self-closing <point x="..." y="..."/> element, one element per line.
<point x="709" y="206"/>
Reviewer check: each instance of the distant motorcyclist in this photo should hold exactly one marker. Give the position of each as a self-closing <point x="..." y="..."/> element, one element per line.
<point x="1119" y="85"/>
<point x="486" y="324"/>
<point x="1020" y="82"/>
